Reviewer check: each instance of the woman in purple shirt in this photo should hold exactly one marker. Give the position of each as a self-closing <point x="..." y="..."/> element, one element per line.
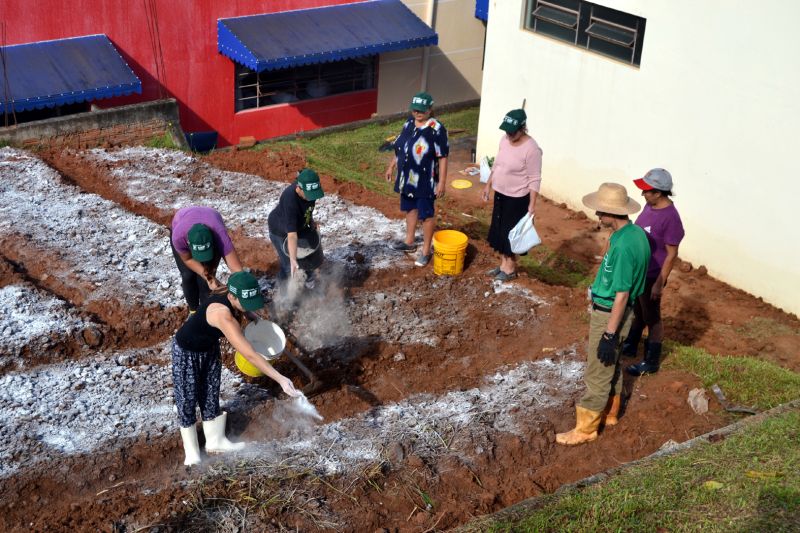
<point x="199" y="240"/>
<point x="662" y="224"/>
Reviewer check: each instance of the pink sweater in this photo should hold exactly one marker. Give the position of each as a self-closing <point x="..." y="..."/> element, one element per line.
<point x="517" y="170"/>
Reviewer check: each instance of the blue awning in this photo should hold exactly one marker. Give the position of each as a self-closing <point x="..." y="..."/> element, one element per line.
<point x="333" y="33"/>
<point x="482" y="9"/>
<point x="64" y="71"/>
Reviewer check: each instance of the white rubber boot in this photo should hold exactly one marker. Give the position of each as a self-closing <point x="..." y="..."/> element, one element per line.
<point x="190" y="446"/>
<point x="216" y="441"/>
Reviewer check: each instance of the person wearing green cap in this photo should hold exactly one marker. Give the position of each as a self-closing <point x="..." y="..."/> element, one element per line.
<point x="420" y="160"/>
<point x="197" y="365"/>
<point x="199" y="240"/>
<point x="293" y="218"/>
<point x="515" y="178"/>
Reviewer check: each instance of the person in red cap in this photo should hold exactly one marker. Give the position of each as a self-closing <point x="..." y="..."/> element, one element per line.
<point x="662" y="224"/>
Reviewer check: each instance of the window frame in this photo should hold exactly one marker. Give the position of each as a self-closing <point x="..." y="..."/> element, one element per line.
<point x="589" y="16"/>
<point x="293" y="82"/>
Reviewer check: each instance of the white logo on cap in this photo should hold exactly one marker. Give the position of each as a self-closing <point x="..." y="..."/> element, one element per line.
<point x="510" y="120"/>
<point x="201" y="247"/>
<point x="311" y="186"/>
<point x="249" y="293"/>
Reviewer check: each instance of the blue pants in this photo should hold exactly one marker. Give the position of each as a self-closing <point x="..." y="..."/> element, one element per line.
<point x="286" y="265"/>
<point x="196" y="379"/>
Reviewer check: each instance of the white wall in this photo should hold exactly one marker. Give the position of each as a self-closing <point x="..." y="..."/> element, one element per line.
<point x="716" y="101"/>
<point x="454" y="67"/>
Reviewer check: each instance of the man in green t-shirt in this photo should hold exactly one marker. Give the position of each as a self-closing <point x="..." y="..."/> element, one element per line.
<point x="619" y="281"/>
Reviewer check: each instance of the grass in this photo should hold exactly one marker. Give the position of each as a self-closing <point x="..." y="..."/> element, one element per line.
<point x="554" y="268"/>
<point x="162" y="141"/>
<point x="353" y="155"/>
<point x="743" y="380"/>
<point x="765" y="328"/>
<point x="748" y="482"/>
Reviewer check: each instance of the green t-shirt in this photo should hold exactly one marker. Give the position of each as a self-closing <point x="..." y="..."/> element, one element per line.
<point x="624" y="266"/>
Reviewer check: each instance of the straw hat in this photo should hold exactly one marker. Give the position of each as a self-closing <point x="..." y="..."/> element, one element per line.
<point x="611" y="198"/>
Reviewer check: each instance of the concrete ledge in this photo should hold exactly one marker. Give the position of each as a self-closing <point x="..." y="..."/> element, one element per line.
<point x="117" y="125"/>
<point x="520" y="510"/>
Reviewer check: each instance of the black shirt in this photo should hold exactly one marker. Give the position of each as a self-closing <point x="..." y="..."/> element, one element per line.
<point x="197" y="335"/>
<point x="292" y="214"/>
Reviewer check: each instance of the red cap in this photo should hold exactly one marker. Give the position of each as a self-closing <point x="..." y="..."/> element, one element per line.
<point x="643" y="185"/>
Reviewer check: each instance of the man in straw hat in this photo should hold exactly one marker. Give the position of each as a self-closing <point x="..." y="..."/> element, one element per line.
<point x="619" y="281"/>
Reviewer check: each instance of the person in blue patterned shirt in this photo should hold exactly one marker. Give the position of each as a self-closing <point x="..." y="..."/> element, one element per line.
<point x="420" y="161"/>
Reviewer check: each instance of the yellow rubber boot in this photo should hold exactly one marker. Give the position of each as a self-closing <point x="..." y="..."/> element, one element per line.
<point x="611" y="414"/>
<point x="585" y="430"/>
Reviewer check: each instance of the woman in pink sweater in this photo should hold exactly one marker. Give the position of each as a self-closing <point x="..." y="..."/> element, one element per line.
<point x="515" y="179"/>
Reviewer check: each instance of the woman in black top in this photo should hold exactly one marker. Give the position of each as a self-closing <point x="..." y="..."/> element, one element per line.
<point x="197" y="366"/>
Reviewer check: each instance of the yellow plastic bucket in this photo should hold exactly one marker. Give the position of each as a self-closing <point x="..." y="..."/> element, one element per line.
<point x="449" y="250"/>
<point x="267" y="339"/>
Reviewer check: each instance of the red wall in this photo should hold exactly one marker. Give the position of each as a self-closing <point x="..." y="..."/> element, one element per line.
<point x="195" y="73"/>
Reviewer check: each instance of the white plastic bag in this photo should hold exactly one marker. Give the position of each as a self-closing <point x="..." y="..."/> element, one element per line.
<point x="486" y="170"/>
<point x="523" y="236"/>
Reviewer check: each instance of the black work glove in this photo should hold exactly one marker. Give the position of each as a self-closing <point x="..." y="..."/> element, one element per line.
<point x="607" y="349"/>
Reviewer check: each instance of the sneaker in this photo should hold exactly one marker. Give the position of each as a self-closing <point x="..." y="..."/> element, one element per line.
<point x="402" y="246"/>
<point x="493" y="272"/>
<point x="502" y="276"/>
<point x="423" y="260"/>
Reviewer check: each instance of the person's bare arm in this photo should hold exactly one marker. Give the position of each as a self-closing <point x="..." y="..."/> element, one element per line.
<point x="197" y="267"/>
<point x="617" y="312"/>
<point x="233" y="262"/>
<point x="291" y="248"/>
<point x="666" y="269"/>
<point x="442" y="187"/>
<point x="532" y="203"/>
<point x="390" y="170"/>
<point x="221" y="318"/>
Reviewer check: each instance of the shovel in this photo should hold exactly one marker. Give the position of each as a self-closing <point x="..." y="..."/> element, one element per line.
<point x="388" y="144"/>
<point x="316" y="385"/>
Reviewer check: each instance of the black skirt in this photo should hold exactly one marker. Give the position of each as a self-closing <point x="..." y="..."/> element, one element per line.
<point x="507" y="211"/>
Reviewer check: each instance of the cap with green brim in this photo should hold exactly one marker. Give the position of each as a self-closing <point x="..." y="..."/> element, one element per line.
<point x="308" y="180"/>
<point x="514" y="121"/>
<point x="201" y="243"/>
<point x="244" y="286"/>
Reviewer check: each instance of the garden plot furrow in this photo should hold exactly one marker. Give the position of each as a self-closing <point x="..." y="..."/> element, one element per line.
<point x="461" y="422"/>
<point x="116" y="398"/>
<point x="170" y="179"/>
<point x="33" y="322"/>
<point x="88" y="405"/>
<point x="102" y="252"/>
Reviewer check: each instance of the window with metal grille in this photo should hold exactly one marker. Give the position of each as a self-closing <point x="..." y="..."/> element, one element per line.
<point x="591" y="26"/>
<point x="283" y="86"/>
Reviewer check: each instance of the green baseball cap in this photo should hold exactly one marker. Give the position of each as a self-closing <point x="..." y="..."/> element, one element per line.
<point x="308" y="180"/>
<point x="245" y="287"/>
<point x="421" y="102"/>
<point x="514" y="121"/>
<point x="201" y="243"/>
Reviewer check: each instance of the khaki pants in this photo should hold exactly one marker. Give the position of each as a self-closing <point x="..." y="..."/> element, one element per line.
<point x="602" y="381"/>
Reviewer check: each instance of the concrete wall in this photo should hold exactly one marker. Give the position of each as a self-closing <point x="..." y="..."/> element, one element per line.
<point x="714" y="101"/>
<point x="127" y="125"/>
<point x="455" y="66"/>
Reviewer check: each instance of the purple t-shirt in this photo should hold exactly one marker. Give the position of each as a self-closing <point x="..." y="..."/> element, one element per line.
<point x="187" y="217"/>
<point x="663" y="227"/>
